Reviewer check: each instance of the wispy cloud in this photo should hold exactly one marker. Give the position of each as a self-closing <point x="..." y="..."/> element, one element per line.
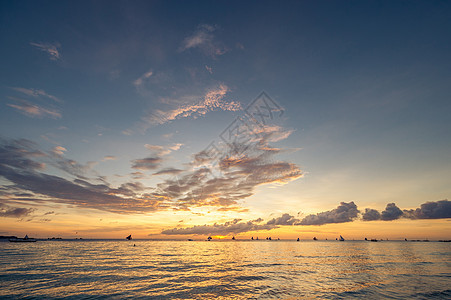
<point x="155" y="160"/>
<point x="204" y="40"/>
<point x="232" y="179"/>
<point x="168" y="171"/>
<point x="148" y="163"/>
<point x="59" y="150"/>
<point x="109" y="157"/>
<point x="14" y="212"/>
<point x="138" y="82"/>
<point x="18" y="166"/>
<point x="212" y="100"/>
<point x="34" y="110"/>
<point x="52" y="49"/>
<point x="36" y="93"/>
<point x="163" y="150"/>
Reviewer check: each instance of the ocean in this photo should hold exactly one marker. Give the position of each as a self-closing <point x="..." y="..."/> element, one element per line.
<point x="113" y="269"/>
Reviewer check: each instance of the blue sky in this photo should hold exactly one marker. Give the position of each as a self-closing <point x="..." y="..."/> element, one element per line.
<point x="127" y="93"/>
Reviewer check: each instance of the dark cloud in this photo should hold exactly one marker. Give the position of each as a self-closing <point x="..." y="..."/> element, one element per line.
<point x="371" y="215"/>
<point x="430" y="210"/>
<point x="391" y="212"/>
<point x="148" y="163"/>
<point x="232" y="227"/>
<point x="79" y="193"/>
<point x="285" y="219"/>
<point x="345" y="212"/>
<point x="20" y="154"/>
<point x="14" y="212"/>
<point x="18" y="165"/>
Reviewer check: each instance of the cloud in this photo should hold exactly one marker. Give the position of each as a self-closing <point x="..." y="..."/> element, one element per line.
<point x="148" y="163"/>
<point x="138" y="175"/>
<point x="391" y="212"/>
<point x="285" y="219"/>
<point x="221" y="184"/>
<point x="430" y="210"/>
<point x="371" y="215"/>
<point x="163" y="150"/>
<point x="204" y="40"/>
<point x="231" y="227"/>
<point x="345" y="212"/>
<point x="168" y="171"/>
<point x="229" y="179"/>
<point x="36" y="93"/>
<point x="20" y="154"/>
<point x="67" y="165"/>
<point x="109" y="157"/>
<point x="14" y="212"/>
<point x="18" y="165"/>
<point x="212" y="100"/>
<point x="52" y="49"/>
<point x="59" y="150"/>
<point x="33" y="110"/>
<point x="138" y="82"/>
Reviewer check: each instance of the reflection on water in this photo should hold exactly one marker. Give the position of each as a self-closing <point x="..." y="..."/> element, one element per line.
<point x="226" y="269"/>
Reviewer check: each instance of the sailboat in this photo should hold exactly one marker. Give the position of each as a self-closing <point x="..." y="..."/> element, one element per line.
<point x="341" y="238"/>
<point x="129" y="237"/>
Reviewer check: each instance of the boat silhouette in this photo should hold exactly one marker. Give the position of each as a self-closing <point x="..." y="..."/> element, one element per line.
<point x="25" y="239"/>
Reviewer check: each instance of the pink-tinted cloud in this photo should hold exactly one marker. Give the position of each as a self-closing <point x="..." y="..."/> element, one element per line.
<point x="52" y="49"/>
<point x="35" y="111"/>
<point x="212" y="100"/>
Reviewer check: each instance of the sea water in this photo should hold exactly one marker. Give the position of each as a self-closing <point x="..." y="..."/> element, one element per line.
<point x="225" y="269"/>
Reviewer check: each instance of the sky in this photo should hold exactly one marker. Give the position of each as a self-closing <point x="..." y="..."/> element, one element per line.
<point x="177" y="119"/>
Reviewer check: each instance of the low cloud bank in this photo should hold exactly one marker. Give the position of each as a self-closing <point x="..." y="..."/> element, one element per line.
<point x="345" y="212"/>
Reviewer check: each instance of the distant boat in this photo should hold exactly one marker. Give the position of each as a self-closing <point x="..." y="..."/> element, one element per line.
<point x="314" y="238"/>
<point x="129" y="237"/>
<point x="190" y="240"/>
<point x="298" y="239"/>
<point x="233" y="238"/>
<point x="374" y="240"/>
<point x="26" y="239"/>
<point x="341" y="238"/>
<point x="209" y="238"/>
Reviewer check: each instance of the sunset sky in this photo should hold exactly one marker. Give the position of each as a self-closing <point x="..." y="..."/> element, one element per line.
<point x="180" y="119"/>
